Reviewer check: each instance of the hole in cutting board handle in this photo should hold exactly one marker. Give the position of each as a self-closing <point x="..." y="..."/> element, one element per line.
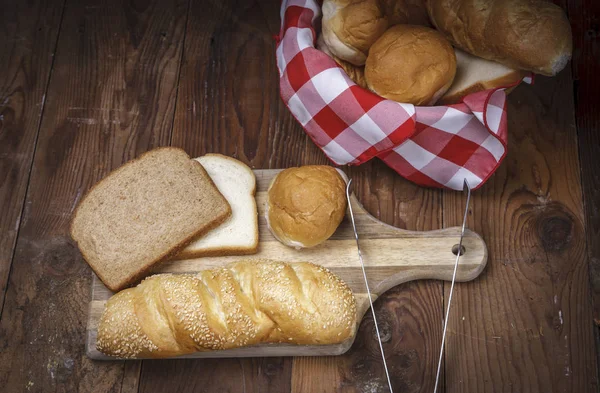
<point x="455" y="250"/>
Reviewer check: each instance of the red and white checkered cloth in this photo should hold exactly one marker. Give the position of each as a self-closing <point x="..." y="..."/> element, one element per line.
<point x="435" y="146"/>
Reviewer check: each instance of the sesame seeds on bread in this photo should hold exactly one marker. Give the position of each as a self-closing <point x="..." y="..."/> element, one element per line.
<point x="245" y="303"/>
<point x="144" y="212"/>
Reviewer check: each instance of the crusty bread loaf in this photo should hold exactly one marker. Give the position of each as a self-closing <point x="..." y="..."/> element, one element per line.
<point x="144" y="212"/>
<point x="305" y="205"/>
<point x="411" y="64"/>
<point x="532" y="35"/>
<point x="245" y="303"/>
<point x="356" y="73"/>
<point x="238" y="235"/>
<point x="475" y="74"/>
<point x="351" y="27"/>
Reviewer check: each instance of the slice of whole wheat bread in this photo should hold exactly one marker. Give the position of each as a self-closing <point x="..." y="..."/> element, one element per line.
<point x="144" y="212"/>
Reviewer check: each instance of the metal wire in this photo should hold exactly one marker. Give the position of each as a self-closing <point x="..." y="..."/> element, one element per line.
<point x="362" y="265"/>
<point x="458" y="254"/>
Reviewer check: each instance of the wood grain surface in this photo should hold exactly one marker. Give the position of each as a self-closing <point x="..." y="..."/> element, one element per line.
<point x="111" y="96"/>
<point x="27" y="44"/>
<point x="229" y="102"/>
<point x="118" y="64"/>
<point x="584" y="16"/>
<point x="526" y="323"/>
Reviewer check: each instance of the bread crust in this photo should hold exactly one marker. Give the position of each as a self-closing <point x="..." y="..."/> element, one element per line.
<point x="136" y="276"/>
<point x="248" y="302"/>
<point x="226" y="251"/>
<point x="305" y="205"/>
<point x="507" y="80"/>
<point x="351" y="27"/>
<point x="411" y="64"/>
<point x="532" y="35"/>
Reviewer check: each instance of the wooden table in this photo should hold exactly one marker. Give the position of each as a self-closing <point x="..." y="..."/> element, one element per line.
<point x="87" y="85"/>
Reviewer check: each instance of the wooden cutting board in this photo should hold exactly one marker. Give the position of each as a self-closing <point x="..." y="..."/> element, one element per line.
<point x="392" y="256"/>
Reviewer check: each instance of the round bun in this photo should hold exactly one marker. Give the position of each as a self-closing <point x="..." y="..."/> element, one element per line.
<point x="411" y="64"/>
<point x="351" y="27"/>
<point x="305" y="205"/>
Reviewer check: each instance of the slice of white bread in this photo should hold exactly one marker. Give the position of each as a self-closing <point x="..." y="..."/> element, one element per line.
<point x="144" y="212"/>
<point x="239" y="234"/>
<point x="475" y="74"/>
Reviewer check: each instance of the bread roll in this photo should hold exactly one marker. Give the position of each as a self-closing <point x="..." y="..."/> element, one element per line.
<point x="532" y="35"/>
<point x="411" y="64"/>
<point x="351" y="27"/>
<point x="305" y="205"/>
<point x="474" y="74"/>
<point x="245" y="303"/>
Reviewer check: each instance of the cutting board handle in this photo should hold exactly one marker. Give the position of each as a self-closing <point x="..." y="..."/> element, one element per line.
<point x="393" y="256"/>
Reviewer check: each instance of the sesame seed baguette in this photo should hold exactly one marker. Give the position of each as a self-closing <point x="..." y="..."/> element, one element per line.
<point x="245" y="303"/>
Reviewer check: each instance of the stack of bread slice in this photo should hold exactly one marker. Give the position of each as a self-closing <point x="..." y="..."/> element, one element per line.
<point x="163" y="205"/>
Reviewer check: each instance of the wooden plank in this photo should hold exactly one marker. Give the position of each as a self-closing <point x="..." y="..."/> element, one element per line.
<point x="219" y="128"/>
<point x="209" y="118"/>
<point x="526" y="324"/>
<point x="409" y="314"/>
<point x="27" y="44"/>
<point x="584" y="15"/>
<point x="229" y="99"/>
<point x="228" y="102"/>
<point x="111" y="97"/>
<point x="131" y="377"/>
<point x="222" y="375"/>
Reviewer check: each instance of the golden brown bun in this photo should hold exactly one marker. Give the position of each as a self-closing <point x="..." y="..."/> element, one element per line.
<point x="532" y="35"/>
<point x="356" y="73"/>
<point x="246" y="303"/>
<point x="351" y="27"/>
<point x="305" y="205"/>
<point x="411" y="64"/>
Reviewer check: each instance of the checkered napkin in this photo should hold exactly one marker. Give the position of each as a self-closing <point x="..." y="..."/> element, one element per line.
<point x="435" y="146"/>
